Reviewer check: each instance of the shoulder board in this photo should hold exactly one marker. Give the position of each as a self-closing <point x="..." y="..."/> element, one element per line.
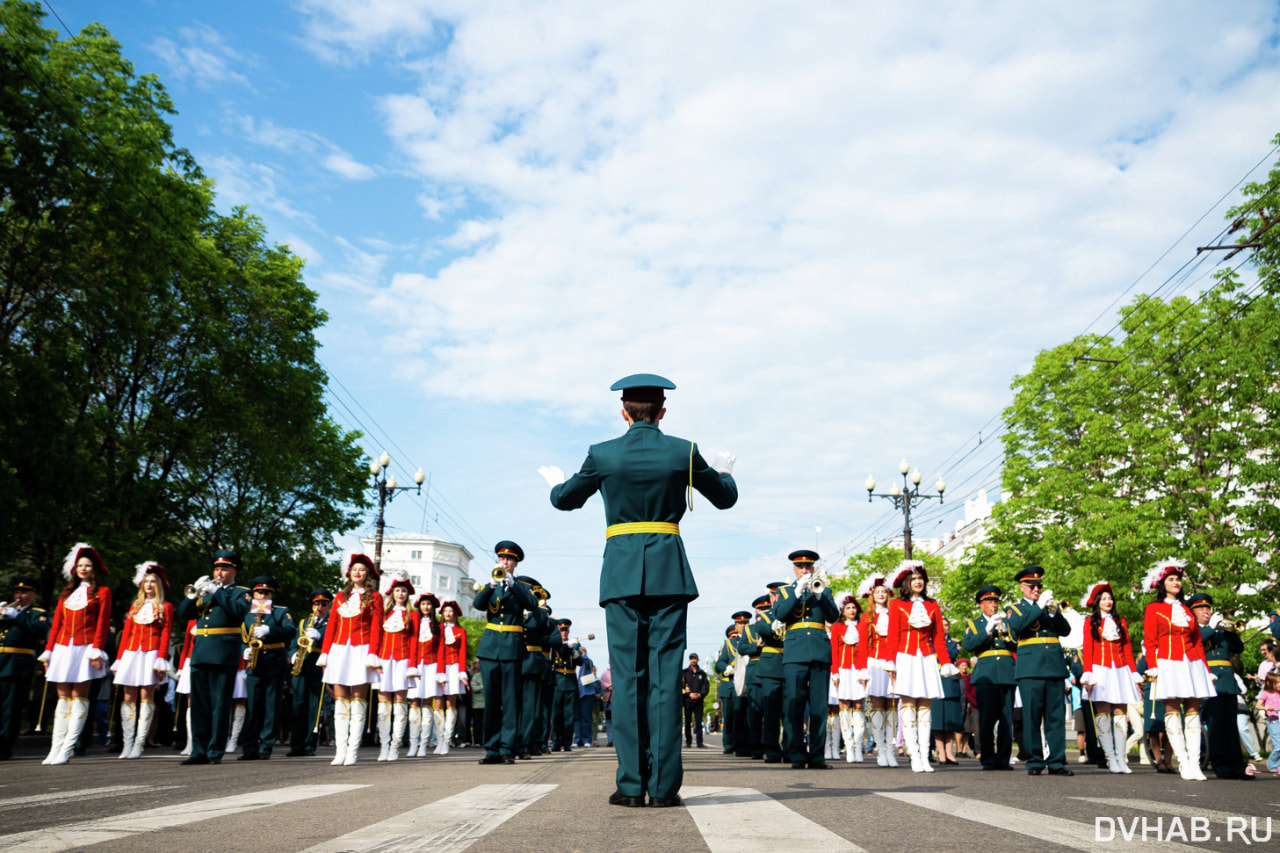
<point x="785" y="593"/>
<point x="1015" y="610"/>
<point x="970" y="627"/>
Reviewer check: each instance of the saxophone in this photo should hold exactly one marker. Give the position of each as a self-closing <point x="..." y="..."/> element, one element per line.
<point x="305" y="645"/>
<point x="255" y="643"/>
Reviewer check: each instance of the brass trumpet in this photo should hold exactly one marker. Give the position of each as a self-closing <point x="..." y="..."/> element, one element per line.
<point x="817" y="581"/>
<point x="1229" y="625"/>
<point x="190" y="591"/>
<point x="499" y="574"/>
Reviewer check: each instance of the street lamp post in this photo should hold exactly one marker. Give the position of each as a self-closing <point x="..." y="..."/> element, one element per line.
<point x="905" y="498"/>
<point x="387" y="488"/>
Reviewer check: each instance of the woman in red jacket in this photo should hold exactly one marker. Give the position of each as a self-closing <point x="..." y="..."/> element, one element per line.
<point x="398" y="653"/>
<point x="873" y="635"/>
<point x="920" y="641"/>
<point x="1110" y="678"/>
<point x="451" y="673"/>
<point x="349" y="654"/>
<point x="75" y="654"/>
<point x="422" y="695"/>
<point x="1172" y="643"/>
<point x="849" y="674"/>
<point x="142" y="662"/>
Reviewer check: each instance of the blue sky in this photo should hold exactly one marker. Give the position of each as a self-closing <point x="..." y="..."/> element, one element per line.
<point x="841" y="229"/>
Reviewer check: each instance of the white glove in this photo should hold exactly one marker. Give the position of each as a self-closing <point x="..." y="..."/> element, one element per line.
<point x="1214" y="620"/>
<point x="1153" y="672"/>
<point x="508" y="580"/>
<point x="115" y="667"/>
<point x="724" y="462"/>
<point x="373" y="661"/>
<point x="728" y="670"/>
<point x="245" y="654"/>
<point x="1045" y="600"/>
<point x="161" y="666"/>
<point x="206" y="588"/>
<point x="441" y="677"/>
<point x="948" y="669"/>
<point x="260" y="631"/>
<point x="553" y="475"/>
<point x="44" y="658"/>
<point x="313" y="634"/>
<point x="9" y="612"/>
<point x="777" y="626"/>
<point x="322" y="660"/>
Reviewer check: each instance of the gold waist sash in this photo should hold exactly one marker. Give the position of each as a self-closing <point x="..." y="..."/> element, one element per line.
<point x="641" y="527"/>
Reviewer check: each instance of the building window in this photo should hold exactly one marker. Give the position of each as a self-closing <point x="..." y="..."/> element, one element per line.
<point x="442" y="582"/>
<point x="415" y="555"/>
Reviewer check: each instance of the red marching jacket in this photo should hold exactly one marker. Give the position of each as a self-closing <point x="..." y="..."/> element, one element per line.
<point x="427" y="650"/>
<point x="401" y="644"/>
<point x="874" y="646"/>
<point x="1163" y="640"/>
<point x="455" y="652"/>
<point x="365" y="628"/>
<point x="152" y="637"/>
<point x="1107" y="653"/>
<point x="188" y="637"/>
<point x="843" y="655"/>
<point x="929" y="640"/>
<point x="87" y="627"/>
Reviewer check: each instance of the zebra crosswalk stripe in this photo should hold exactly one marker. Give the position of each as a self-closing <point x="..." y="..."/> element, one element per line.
<point x="79" y="796"/>
<point x="1068" y="833"/>
<point x="445" y="826"/>
<point x="736" y="819"/>
<point x="75" y="835"/>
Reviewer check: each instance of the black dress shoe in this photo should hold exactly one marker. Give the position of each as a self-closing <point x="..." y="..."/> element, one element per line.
<point x="197" y="759"/>
<point x="665" y="802"/>
<point x="757" y="756"/>
<point x="1060" y="771"/>
<point x="617" y="798"/>
<point x="524" y="756"/>
<point x="1160" y="769"/>
<point x="998" y="767"/>
<point x="797" y="765"/>
<point x="294" y="753"/>
<point x="507" y="759"/>
<point x="217" y="760"/>
<point x="1034" y="771"/>
<point x="556" y="748"/>
<point x="819" y="765"/>
<point x="702" y="746"/>
<point x="491" y="759"/>
<point x="248" y="756"/>
<point x="773" y="760"/>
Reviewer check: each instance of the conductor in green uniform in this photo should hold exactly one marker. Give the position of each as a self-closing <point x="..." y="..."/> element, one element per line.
<point x="24" y="629"/>
<point x="1040" y="672"/>
<point x="1221" y="640"/>
<point x="219" y="610"/>
<point x="992" y="679"/>
<point x="806" y="662"/>
<point x="268" y="630"/>
<point x="646" y="582"/>
<point x="501" y="652"/>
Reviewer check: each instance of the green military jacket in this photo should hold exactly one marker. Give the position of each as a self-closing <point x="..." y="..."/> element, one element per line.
<point x="538" y="633"/>
<point x="504" y="608"/>
<point x="1039" y="646"/>
<point x="564" y="662"/>
<point x="728" y="657"/>
<point x="997" y="653"/>
<point x="273" y="658"/>
<point x="23" y="638"/>
<point x="300" y="640"/>
<point x="219" y="618"/>
<point x="805" y="617"/>
<point x="644" y="476"/>
<point x="1219" y="645"/>
<point x="765" y="644"/>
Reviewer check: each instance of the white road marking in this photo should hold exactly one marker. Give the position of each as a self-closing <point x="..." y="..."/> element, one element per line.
<point x="75" y="835"/>
<point x="79" y="796"/>
<point x="445" y="826"/>
<point x="735" y="819"/>
<point x="1170" y="809"/>
<point x="1056" y="830"/>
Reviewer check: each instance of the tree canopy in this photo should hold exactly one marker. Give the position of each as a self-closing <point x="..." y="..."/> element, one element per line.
<point x="160" y="395"/>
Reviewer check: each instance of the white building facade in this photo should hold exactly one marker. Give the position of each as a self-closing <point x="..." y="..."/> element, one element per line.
<point x="433" y="565"/>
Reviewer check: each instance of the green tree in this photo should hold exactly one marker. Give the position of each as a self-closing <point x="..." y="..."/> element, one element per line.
<point x="882" y="560"/>
<point x="159" y="392"/>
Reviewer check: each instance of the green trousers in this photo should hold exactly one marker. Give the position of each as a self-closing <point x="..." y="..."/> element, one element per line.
<point x="501" y="705"/>
<point x="1043" y="703"/>
<point x="212" y="689"/>
<point x="259" y="732"/>
<point x="805" y="689"/>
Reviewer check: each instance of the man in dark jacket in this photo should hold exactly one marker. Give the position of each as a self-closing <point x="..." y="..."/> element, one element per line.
<point x="693" y="686"/>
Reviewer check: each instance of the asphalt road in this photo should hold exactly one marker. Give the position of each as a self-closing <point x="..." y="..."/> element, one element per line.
<point x="558" y="802"/>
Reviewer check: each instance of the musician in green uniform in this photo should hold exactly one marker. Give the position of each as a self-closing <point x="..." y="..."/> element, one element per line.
<point x="24" y="629"/>
<point x="501" y="653"/>
<point x="267" y="631"/>
<point x="547" y="687"/>
<point x="992" y="679"/>
<point x="1040" y="671"/>
<point x="646" y="582"/>
<point x="308" y="684"/>
<point x="539" y="633"/>
<point x="772" y="680"/>
<point x="219" y="609"/>
<point x="724" y="667"/>
<point x="806" y="661"/>
<point x="1221" y="640"/>
<point x="566" y="656"/>
<point x="749" y="644"/>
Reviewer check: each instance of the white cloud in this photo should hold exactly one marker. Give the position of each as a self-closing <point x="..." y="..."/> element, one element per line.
<point x="347" y="167"/>
<point x="201" y="55"/>
<point x="294" y="141"/>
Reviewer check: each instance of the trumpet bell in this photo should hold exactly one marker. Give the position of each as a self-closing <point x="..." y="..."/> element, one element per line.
<point x="499" y="574"/>
<point x="190" y="591"/>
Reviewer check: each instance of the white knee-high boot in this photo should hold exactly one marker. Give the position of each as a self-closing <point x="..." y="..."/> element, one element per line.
<point x="237" y="725"/>
<point x="1120" y="735"/>
<point x="341" y="729"/>
<point x="415" y="730"/>
<point x="128" y="728"/>
<point x="359" y="716"/>
<point x="186" y="750"/>
<point x="907" y="722"/>
<point x="384" y="730"/>
<point x="1173" y="734"/>
<point x="1191" y="735"/>
<point x="399" y="717"/>
<point x="832" y="750"/>
<point x="442" y="743"/>
<point x="1102" y="726"/>
<point x="146" y="711"/>
<point x="77" y="714"/>
<point x="877" y="734"/>
<point x="924" y="726"/>
<point x="450" y="720"/>
<point x="858" y="723"/>
<point x="61" y="717"/>
<point x="846" y="732"/>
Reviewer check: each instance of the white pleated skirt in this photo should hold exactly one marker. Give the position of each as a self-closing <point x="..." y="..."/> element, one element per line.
<point x="1183" y="679"/>
<point x="184" y="678"/>
<point x="138" y="669"/>
<point x="394" y="677"/>
<point x="1113" y="684"/>
<point x="70" y="665"/>
<point x="918" y="676"/>
<point x="242" y="684"/>
<point x="427" y="687"/>
<point x="451" y="685"/>
<point x="851" y="688"/>
<point x="348" y="666"/>
<point x="880" y="684"/>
